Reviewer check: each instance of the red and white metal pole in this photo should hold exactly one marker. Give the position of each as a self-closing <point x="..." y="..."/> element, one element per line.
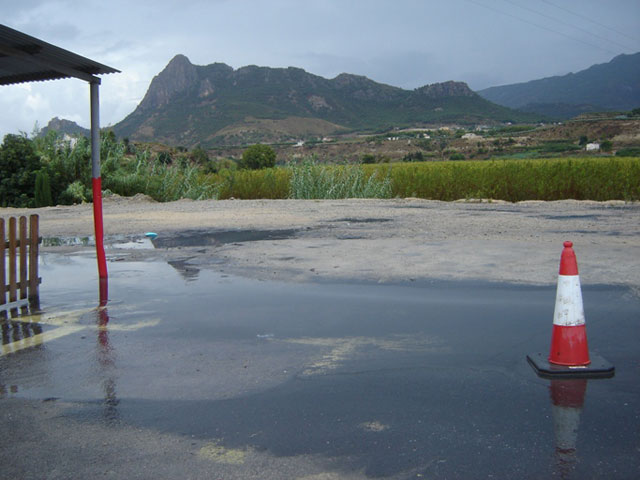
<point x="95" y="178"/>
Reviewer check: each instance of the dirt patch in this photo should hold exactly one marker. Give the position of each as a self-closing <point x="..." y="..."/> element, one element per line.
<point x="399" y="240"/>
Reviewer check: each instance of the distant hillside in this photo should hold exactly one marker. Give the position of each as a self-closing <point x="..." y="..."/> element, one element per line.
<point x="188" y="105"/>
<point x="63" y="126"/>
<point x="608" y="86"/>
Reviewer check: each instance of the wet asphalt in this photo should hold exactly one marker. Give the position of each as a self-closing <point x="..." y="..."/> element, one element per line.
<point x="188" y="373"/>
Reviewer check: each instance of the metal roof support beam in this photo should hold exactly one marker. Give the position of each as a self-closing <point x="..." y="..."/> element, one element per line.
<point x="96" y="180"/>
<point x="56" y="67"/>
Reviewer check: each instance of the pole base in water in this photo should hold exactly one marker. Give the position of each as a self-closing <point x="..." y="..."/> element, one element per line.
<point x="598" y="368"/>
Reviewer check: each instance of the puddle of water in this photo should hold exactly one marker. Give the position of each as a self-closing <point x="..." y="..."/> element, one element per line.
<point x="143" y="243"/>
<point x="201" y="238"/>
<point x="134" y="242"/>
<point x="68" y="241"/>
<point x="610" y="233"/>
<point x="364" y="220"/>
<point x="187" y="238"/>
<point x="571" y="217"/>
<point x="390" y="380"/>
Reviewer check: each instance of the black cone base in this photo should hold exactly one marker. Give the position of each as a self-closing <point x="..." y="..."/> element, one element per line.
<point x="598" y="368"/>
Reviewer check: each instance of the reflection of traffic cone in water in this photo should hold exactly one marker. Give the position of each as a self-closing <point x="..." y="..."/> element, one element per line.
<point x="569" y="337"/>
<point x="567" y="399"/>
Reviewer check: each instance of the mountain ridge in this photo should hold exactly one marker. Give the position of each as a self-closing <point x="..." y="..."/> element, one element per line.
<point x="610" y="86"/>
<point x="189" y="104"/>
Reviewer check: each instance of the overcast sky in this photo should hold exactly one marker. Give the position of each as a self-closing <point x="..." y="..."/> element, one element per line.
<point x="405" y="43"/>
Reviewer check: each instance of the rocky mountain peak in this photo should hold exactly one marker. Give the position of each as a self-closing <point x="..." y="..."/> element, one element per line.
<point x="350" y="80"/>
<point x="446" y="89"/>
<point x="178" y="76"/>
<point x="63" y="126"/>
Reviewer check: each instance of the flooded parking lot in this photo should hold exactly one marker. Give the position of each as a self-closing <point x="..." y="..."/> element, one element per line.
<point x="204" y="374"/>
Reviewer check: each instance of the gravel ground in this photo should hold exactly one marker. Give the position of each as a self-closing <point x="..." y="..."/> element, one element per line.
<point x="375" y="240"/>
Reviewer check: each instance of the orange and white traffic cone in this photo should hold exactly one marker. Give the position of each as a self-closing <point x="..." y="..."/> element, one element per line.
<point x="569" y="337"/>
<point x="569" y="356"/>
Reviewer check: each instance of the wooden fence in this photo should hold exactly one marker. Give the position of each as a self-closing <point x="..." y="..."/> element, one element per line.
<point x="19" y="259"/>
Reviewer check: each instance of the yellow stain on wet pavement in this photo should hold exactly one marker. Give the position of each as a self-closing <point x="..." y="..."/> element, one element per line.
<point x="65" y="323"/>
<point x="215" y="452"/>
<point x="129" y="328"/>
<point x="55" y="319"/>
<point x="39" y="339"/>
<point x="335" y="351"/>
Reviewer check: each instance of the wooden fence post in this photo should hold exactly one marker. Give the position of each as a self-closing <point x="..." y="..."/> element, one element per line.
<point x="3" y="278"/>
<point x="23" y="257"/>
<point x="34" y="281"/>
<point x="13" y="291"/>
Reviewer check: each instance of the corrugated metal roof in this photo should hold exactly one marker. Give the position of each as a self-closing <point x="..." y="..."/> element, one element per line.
<point x="24" y="58"/>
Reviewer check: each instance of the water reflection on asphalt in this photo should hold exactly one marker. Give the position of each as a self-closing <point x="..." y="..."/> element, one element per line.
<point x="390" y="380"/>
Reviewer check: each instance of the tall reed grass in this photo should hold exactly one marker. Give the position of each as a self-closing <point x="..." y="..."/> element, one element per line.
<point x="586" y="178"/>
<point x="311" y="181"/>
<point x="598" y="179"/>
<point x="162" y="182"/>
<point x="271" y="183"/>
<point x="611" y="178"/>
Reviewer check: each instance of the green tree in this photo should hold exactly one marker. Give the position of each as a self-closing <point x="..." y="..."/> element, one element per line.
<point x="18" y="166"/>
<point x="606" y="146"/>
<point x="256" y="157"/>
<point x="368" y="158"/>
<point x="199" y="155"/>
<point x="68" y="162"/>
<point x="43" y="190"/>
<point x="164" y="157"/>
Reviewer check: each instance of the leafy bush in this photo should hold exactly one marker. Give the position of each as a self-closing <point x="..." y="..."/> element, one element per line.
<point x="199" y="155"/>
<point x="75" y="193"/>
<point x="628" y="152"/>
<point x="215" y="166"/>
<point x="558" y="147"/>
<point x="162" y="182"/>
<point x="164" y="157"/>
<point x="256" y="157"/>
<point x="18" y="166"/>
<point x="413" y="157"/>
<point x="66" y="162"/>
